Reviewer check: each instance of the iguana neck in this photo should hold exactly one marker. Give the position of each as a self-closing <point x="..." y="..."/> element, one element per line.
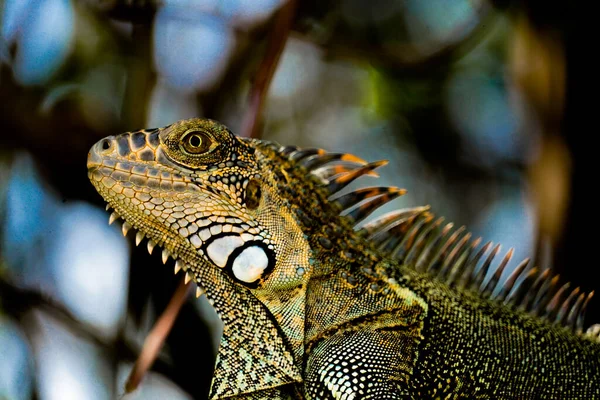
<point x="317" y="239"/>
<point x="339" y="257"/>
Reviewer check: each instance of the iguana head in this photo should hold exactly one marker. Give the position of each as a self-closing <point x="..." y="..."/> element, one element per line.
<point x="205" y="196"/>
<point x="211" y="200"/>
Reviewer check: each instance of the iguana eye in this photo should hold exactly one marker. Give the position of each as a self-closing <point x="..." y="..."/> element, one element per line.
<point x="197" y="142"/>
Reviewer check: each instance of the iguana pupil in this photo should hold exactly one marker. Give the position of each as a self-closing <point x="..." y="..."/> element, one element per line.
<point x="196" y="142"/>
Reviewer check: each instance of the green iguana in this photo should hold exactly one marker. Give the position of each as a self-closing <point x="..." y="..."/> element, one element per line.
<point x="315" y="306"/>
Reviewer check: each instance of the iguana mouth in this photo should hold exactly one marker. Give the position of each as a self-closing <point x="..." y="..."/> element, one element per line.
<point x="122" y="168"/>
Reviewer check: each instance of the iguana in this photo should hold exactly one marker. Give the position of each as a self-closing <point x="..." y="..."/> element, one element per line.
<point x="317" y="304"/>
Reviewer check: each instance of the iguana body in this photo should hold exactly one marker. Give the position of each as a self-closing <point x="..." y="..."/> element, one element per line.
<point x="314" y="308"/>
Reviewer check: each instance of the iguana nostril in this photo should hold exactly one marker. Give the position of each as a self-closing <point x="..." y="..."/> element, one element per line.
<point x="105" y="144"/>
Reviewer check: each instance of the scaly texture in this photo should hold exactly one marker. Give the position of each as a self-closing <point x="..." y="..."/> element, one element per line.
<point x="316" y="306"/>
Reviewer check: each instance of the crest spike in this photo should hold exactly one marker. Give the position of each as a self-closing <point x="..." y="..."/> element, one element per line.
<point x="353" y="198"/>
<point x="423" y="242"/>
<point x="547" y="291"/>
<point x="554" y="304"/>
<point x="561" y="316"/>
<point x="472" y="264"/>
<point x="199" y="291"/>
<point x="287" y="150"/>
<point x="187" y="278"/>
<point x="581" y="314"/>
<point x="393" y="236"/>
<point x="439" y="254"/>
<point x="399" y="251"/>
<point x="480" y="277"/>
<point x="449" y="262"/>
<point x="493" y="282"/>
<point x="165" y="256"/>
<point x="517" y="295"/>
<point x="301" y="154"/>
<point x="318" y="160"/>
<point x="593" y="332"/>
<point x="360" y="212"/>
<point x="422" y="263"/>
<point x="418" y="248"/>
<point x="382" y="227"/>
<point x="574" y="311"/>
<point x="458" y="272"/>
<point x="336" y="184"/>
<point x="535" y="288"/>
<point x="326" y="172"/>
<point x="509" y="284"/>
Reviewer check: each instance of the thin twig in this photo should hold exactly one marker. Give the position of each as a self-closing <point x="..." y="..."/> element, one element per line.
<point x="266" y="70"/>
<point x="155" y="339"/>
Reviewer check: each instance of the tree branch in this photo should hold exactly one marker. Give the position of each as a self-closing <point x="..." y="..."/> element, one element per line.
<point x="266" y="70"/>
<point x="156" y="338"/>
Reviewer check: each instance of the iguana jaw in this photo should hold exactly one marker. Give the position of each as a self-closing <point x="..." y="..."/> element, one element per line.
<point x="115" y="180"/>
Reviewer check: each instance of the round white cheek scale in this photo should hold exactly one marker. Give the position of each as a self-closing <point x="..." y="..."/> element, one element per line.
<point x="250" y="264"/>
<point x="220" y="249"/>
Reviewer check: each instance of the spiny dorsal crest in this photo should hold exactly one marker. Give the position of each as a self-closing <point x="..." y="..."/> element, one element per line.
<point x="416" y="238"/>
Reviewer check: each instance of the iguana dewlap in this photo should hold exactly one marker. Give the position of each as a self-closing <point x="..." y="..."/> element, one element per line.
<point x="315" y="308"/>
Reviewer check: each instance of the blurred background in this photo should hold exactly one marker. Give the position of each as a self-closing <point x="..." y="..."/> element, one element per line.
<point x="474" y="102"/>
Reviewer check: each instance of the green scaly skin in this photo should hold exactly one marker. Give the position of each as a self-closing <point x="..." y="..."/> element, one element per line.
<point x="312" y="308"/>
